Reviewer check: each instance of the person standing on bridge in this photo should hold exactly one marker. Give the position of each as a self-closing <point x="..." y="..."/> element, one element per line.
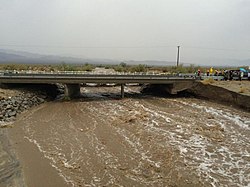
<point x="211" y="71"/>
<point x="199" y="72"/>
<point x="241" y="75"/>
<point x="216" y="72"/>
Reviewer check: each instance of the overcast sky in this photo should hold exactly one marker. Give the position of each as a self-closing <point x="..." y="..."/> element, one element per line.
<point x="206" y="30"/>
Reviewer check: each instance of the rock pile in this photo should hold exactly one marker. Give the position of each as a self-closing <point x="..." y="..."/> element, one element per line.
<point x="12" y="106"/>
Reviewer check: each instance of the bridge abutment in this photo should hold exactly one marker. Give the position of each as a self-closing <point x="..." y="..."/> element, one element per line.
<point x="72" y="90"/>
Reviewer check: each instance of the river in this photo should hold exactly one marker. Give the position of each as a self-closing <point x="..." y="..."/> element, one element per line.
<point x="101" y="140"/>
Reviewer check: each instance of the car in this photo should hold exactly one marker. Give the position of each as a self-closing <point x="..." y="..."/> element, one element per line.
<point x="232" y="74"/>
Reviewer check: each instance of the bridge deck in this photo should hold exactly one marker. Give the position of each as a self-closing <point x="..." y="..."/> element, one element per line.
<point x="92" y="78"/>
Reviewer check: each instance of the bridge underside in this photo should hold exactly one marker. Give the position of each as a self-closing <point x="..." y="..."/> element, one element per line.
<point x="179" y="86"/>
<point x="172" y="88"/>
<point x="73" y="90"/>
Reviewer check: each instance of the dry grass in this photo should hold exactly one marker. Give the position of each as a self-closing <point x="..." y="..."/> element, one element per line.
<point x="243" y="90"/>
<point x="208" y="81"/>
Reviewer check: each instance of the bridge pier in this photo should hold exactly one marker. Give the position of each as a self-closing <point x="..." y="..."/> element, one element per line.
<point x="122" y="91"/>
<point x="72" y="90"/>
<point x="170" y="89"/>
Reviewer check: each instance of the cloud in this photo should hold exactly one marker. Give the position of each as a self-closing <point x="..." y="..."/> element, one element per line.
<point x="136" y="27"/>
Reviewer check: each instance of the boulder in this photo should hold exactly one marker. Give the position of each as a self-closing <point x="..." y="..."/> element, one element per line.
<point x="12" y="113"/>
<point x="40" y="100"/>
<point x="9" y="107"/>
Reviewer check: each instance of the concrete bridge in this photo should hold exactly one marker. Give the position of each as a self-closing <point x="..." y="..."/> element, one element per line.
<point x="72" y="81"/>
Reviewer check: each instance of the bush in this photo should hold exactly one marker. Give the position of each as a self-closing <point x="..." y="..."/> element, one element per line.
<point x="208" y="81"/>
<point x="139" y="68"/>
<point x="242" y="90"/>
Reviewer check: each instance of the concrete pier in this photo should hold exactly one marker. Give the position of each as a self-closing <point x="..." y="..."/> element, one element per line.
<point x="122" y="91"/>
<point x="72" y="90"/>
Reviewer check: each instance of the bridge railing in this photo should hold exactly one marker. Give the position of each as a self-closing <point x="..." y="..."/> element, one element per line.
<point x="136" y="75"/>
<point x="81" y="72"/>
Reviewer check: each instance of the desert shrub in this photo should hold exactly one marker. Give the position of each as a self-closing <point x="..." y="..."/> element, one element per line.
<point x="242" y="90"/>
<point x="208" y="81"/>
<point x="119" y="68"/>
<point x="66" y="98"/>
<point x="87" y="67"/>
<point x="138" y="68"/>
<point x="123" y="64"/>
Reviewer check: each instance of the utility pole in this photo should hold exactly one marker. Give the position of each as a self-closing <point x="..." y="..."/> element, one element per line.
<point x="178" y="55"/>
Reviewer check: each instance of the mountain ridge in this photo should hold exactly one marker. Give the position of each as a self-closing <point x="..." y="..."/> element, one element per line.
<point x="13" y="56"/>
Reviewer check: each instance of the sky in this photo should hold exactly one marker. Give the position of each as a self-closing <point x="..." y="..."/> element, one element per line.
<point x="207" y="31"/>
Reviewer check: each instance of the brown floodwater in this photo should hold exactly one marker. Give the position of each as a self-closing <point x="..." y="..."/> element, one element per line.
<point x="100" y="140"/>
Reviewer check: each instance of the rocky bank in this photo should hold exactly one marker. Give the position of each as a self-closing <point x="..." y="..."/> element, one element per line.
<point x="14" y="99"/>
<point x="10" y="107"/>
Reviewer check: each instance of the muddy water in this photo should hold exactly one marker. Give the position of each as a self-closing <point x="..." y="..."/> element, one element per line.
<point x="10" y="170"/>
<point x="100" y="140"/>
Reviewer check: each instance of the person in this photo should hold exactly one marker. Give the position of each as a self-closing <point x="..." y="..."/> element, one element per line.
<point x="230" y="75"/>
<point x="216" y="72"/>
<point x="199" y="72"/>
<point x="207" y="72"/>
<point x="211" y="71"/>
<point x="241" y="73"/>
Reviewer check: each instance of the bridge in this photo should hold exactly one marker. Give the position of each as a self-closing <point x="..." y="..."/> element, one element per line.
<point x="73" y="80"/>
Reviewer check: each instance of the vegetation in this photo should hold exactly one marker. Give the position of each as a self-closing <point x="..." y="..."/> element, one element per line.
<point x="122" y="67"/>
<point x="48" y="68"/>
<point x="208" y="81"/>
<point x="66" y="98"/>
<point x="243" y="89"/>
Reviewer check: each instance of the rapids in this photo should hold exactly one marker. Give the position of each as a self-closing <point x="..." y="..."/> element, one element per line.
<point x="100" y="140"/>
